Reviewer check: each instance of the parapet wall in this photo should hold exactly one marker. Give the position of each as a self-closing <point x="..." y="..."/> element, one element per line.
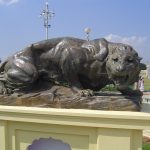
<point x="81" y="129"/>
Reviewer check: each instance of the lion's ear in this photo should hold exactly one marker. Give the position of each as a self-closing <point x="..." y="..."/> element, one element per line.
<point x="102" y="54"/>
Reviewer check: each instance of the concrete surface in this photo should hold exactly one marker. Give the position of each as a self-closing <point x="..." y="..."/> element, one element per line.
<point x="146" y="108"/>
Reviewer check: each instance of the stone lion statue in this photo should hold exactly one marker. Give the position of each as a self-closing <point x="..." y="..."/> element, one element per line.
<point x="84" y="65"/>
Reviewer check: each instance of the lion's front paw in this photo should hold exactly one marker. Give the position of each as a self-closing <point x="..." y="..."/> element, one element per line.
<point x="85" y="93"/>
<point x="5" y="91"/>
<point x="130" y="92"/>
<point x="136" y="93"/>
<point x="82" y="92"/>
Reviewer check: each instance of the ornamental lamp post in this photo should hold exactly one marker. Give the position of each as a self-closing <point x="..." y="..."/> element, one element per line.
<point x="87" y="31"/>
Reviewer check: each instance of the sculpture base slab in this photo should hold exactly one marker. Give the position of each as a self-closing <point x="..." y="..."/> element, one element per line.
<point x="63" y="97"/>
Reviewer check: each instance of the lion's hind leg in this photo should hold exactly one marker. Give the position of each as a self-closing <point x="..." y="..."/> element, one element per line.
<point x="18" y="74"/>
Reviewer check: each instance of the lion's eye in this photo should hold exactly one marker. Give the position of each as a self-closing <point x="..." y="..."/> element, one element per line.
<point x="115" y="59"/>
<point x="130" y="60"/>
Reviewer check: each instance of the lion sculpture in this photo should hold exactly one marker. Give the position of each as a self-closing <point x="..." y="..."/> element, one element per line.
<point x="85" y="65"/>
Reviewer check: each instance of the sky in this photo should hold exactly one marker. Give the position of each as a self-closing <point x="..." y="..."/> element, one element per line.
<point x="125" y="21"/>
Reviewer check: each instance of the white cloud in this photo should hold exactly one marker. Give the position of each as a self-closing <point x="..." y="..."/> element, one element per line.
<point x="132" y="40"/>
<point x="8" y="2"/>
<point x="139" y="43"/>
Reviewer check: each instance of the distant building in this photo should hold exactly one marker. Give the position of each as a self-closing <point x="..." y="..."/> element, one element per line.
<point x="146" y="73"/>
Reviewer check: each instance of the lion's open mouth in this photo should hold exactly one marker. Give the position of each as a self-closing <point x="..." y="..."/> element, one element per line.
<point x="120" y="79"/>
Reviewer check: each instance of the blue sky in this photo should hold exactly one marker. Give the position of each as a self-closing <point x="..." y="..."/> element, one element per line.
<point x="126" y="21"/>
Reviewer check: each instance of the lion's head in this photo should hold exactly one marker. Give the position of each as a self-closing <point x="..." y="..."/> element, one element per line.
<point x="123" y="64"/>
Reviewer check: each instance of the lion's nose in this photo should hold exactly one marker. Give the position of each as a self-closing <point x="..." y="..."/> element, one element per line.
<point x="120" y="68"/>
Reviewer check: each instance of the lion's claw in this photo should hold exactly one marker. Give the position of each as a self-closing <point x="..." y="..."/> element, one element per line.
<point x="86" y="93"/>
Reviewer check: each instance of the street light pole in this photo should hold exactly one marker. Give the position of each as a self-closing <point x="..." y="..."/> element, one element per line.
<point x="47" y="15"/>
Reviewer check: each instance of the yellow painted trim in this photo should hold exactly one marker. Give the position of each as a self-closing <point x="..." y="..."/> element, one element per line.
<point x="21" y="130"/>
<point x="77" y="117"/>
